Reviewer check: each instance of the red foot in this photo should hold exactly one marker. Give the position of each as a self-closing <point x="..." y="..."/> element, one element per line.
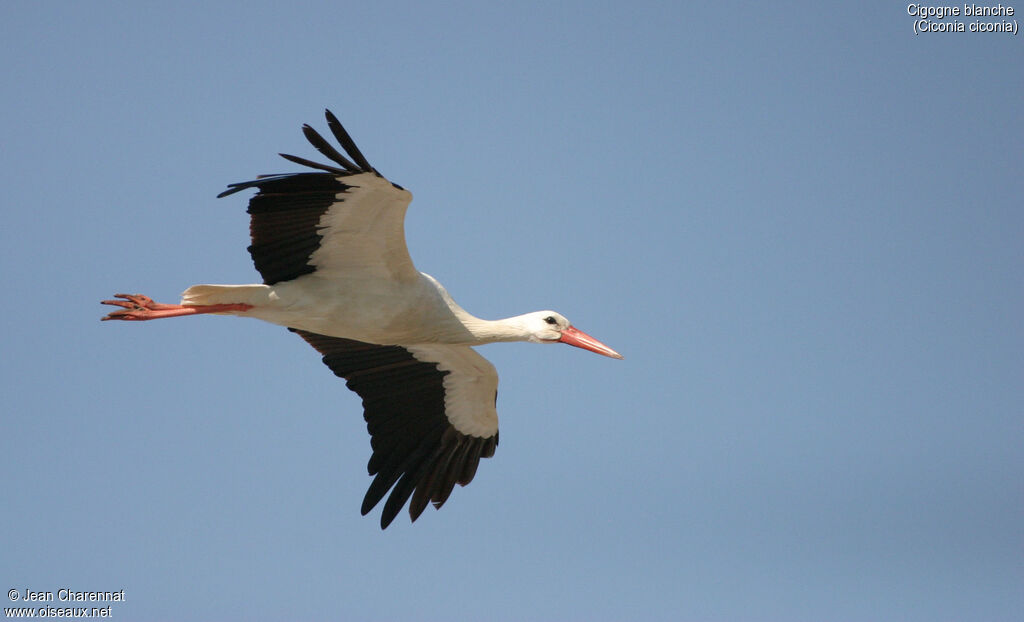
<point x="138" y="308"/>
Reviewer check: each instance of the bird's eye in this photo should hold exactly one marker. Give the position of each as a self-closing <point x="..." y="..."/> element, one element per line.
<point x="551" y="320"/>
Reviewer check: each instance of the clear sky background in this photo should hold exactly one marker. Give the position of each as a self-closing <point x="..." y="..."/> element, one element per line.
<point x="800" y="223"/>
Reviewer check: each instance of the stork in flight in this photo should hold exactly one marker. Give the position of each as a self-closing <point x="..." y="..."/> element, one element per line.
<point x="330" y="246"/>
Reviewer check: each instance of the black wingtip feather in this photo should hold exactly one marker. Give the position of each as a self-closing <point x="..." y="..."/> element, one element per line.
<point x="320" y="143"/>
<point x="413" y="469"/>
<point x="312" y="164"/>
<point x="324" y="147"/>
<point x="233" y="188"/>
<point x="346" y="141"/>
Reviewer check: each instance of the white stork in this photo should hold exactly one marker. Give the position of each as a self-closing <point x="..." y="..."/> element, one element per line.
<point x="330" y="246"/>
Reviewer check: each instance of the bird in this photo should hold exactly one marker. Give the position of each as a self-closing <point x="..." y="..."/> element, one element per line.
<point x="330" y="246"/>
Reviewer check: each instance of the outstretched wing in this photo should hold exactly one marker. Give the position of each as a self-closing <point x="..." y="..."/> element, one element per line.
<point x="347" y="218"/>
<point x="430" y="411"/>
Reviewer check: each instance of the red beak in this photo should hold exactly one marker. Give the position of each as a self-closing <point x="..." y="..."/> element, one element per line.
<point x="580" y="339"/>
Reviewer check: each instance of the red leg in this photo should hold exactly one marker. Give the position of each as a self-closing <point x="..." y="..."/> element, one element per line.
<point x="138" y="308"/>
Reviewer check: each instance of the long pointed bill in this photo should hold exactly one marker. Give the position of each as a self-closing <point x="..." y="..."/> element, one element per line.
<point x="580" y="339"/>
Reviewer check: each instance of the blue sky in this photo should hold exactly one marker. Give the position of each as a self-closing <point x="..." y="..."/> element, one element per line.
<point x="800" y="223"/>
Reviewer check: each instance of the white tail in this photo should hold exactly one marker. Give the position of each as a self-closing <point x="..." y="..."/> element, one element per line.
<point x="225" y="294"/>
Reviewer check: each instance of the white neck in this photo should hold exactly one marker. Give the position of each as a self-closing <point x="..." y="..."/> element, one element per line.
<point x="492" y="331"/>
<point x="470" y="329"/>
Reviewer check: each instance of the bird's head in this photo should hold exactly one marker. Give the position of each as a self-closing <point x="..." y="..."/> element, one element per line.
<point x="552" y="327"/>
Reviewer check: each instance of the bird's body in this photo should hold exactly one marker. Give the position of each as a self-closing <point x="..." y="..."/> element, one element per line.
<point x="330" y="246"/>
<point x="375" y="311"/>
